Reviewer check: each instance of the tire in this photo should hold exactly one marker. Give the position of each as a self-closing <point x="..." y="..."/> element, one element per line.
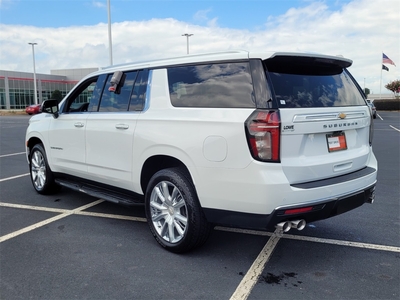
<point x="173" y="211"/>
<point x="41" y="176"/>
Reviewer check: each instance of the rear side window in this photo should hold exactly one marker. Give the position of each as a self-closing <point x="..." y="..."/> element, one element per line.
<point x="220" y="85"/>
<point x="119" y="100"/>
<point x="129" y="95"/>
<point x="306" y="83"/>
<point x="138" y="95"/>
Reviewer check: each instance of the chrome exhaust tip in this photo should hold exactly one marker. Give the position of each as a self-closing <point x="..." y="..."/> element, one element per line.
<point x="283" y="226"/>
<point x="298" y="224"/>
<point x="371" y="197"/>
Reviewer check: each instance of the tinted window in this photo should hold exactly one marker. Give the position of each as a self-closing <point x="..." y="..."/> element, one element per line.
<point x="311" y="84"/>
<point x="98" y="89"/>
<point x="262" y="90"/>
<point x="79" y="100"/>
<point x="212" y="85"/>
<point x="118" y="100"/>
<point x="138" y="95"/>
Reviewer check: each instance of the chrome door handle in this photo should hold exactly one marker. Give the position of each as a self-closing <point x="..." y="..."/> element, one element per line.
<point x="122" y="126"/>
<point x="79" y="124"/>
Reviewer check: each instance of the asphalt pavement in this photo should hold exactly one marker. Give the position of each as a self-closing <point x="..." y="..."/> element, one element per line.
<point x="72" y="246"/>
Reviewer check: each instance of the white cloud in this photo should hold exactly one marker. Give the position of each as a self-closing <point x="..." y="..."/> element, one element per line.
<point x="360" y="30"/>
<point x="99" y="4"/>
<point x="201" y="15"/>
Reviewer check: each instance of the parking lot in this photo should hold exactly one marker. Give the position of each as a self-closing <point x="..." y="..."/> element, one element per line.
<point x="72" y="246"/>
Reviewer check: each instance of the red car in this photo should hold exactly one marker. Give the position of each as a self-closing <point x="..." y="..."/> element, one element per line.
<point x="33" y="109"/>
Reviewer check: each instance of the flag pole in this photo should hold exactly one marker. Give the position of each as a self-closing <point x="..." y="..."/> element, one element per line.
<point x="380" y="84"/>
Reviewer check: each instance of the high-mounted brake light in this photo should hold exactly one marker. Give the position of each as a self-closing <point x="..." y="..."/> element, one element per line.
<point x="263" y="135"/>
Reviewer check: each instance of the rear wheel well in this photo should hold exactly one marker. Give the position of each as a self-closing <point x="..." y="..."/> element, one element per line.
<point x="156" y="163"/>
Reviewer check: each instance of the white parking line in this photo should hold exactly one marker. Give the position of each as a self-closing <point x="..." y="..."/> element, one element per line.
<point x="379" y="116"/>
<point x="47" y="221"/>
<point x="343" y="243"/>
<point x="82" y="213"/>
<point x="14" y="177"/>
<point x="248" y="282"/>
<point x="394" y="128"/>
<point x="12" y="154"/>
<point x="316" y="240"/>
<point x="245" y="287"/>
<point x="79" y="211"/>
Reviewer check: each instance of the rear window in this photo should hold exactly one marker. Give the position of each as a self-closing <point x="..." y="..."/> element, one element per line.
<point x="309" y="83"/>
<point x="223" y="85"/>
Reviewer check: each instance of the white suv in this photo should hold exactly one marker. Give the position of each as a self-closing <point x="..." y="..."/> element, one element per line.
<point x="241" y="139"/>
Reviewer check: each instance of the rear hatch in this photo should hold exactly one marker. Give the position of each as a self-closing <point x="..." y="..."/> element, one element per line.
<point x="325" y="121"/>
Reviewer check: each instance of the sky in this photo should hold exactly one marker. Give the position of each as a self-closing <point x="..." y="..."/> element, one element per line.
<point x="74" y="33"/>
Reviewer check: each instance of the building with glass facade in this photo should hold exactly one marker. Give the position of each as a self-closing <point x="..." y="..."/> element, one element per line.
<point x="17" y="88"/>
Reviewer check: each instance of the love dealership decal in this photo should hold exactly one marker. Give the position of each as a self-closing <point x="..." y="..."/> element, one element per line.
<point x="286" y="128"/>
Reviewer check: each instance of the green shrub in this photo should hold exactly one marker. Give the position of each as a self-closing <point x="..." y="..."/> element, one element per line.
<point x="387" y="104"/>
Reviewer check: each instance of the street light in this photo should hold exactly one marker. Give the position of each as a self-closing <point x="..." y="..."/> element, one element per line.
<point x="109" y="34"/>
<point x="187" y="41"/>
<point x="34" y="72"/>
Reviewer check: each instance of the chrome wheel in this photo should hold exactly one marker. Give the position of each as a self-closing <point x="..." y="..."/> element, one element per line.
<point x="41" y="176"/>
<point x="169" y="213"/>
<point x="173" y="211"/>
<point x="38" y="170"/>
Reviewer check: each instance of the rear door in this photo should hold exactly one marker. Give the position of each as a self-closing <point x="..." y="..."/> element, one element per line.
<point x="110" y="130"/>
<point x="325" y="121"/>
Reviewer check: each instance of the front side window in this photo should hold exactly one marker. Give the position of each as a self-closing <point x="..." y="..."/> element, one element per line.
<point x="84" y="94"/>
<point x="223" y="85"/>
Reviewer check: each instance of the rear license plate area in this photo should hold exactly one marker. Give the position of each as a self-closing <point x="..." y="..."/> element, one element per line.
<point x="336" y="141"/>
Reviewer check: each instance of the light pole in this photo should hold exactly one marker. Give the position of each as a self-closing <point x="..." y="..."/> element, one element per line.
<point x="109" y="34"/>
<point x="34" y="72"/>
<point x="187" y="41"/>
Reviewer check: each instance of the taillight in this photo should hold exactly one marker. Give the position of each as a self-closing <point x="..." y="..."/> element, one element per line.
<point x="263" y="135"/>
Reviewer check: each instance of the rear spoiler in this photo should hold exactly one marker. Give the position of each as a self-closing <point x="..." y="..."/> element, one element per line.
<point x="313" y="58"/>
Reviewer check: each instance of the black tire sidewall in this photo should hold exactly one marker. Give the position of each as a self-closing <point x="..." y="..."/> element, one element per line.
<point x="195" y="215"/>
<point x="49" y="185"/>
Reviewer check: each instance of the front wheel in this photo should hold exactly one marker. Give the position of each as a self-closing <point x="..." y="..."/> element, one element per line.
<point x="173" y="211"/>
<point x="41" y="175"/>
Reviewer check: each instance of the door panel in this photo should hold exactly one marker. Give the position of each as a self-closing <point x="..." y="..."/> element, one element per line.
<point x="109" y="147"/>
<point x="110" y="133"/>
<point x="67" y="143"/>
<point x="67" y="132"/>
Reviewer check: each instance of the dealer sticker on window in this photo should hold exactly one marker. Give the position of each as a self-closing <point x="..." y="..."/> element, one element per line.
<point x="336" y="141"/>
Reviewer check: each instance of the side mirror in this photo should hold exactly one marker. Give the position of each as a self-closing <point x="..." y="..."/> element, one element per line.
<point x="50" y="106"/>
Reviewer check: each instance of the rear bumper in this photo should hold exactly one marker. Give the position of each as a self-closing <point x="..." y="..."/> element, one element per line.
<point x="319" y="211"/>
<point x="309" y="212"/>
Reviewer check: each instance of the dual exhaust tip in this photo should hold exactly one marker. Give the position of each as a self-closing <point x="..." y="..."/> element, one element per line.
<point x="286" y="226"/>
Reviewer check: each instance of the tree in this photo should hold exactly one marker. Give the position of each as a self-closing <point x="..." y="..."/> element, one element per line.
<point x="367" y="91"/>
<point x="394" y="86"/>
<point x="56" y="94"/>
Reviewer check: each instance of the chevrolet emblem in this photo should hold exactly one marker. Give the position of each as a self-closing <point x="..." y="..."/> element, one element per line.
<point x="342" y="115"/>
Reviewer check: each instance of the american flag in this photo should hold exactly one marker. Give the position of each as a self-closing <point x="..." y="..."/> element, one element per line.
<point x="387" y="60"/>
